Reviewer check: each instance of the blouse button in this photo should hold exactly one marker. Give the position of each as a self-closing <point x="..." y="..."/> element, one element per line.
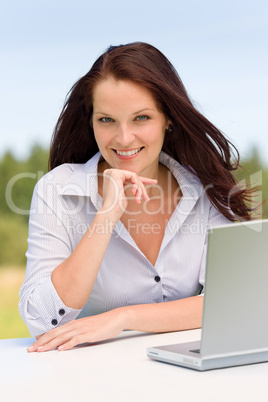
<point x="157" y="278"/>
<point x="54" y="322"/>
<point x="61" y="311"/>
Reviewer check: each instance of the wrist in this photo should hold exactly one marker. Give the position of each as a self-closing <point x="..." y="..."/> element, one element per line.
<point x="107" y="215"/>
<point x="126" y="317"/>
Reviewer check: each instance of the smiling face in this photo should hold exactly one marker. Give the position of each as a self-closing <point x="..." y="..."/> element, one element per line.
<point x="129" y="128"/>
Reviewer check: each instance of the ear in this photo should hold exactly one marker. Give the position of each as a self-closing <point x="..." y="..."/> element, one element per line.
<point x="169" y="127"/>
<point x="168" y="123"/>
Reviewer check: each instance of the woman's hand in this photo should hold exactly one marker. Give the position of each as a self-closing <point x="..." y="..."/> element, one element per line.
<point x="115" y="182"/>
<point x="88" y="329"/>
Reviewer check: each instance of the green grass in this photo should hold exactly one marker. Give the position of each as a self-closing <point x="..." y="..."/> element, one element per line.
<point x="11" y="324"/>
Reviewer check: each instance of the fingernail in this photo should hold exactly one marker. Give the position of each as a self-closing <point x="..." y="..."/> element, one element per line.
<point x="30" y="348"/>
<point x="61" y="347"/>
<point x="40" y="347"/>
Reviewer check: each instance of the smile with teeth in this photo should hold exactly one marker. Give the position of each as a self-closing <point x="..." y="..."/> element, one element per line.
<point x="128" y="153"/>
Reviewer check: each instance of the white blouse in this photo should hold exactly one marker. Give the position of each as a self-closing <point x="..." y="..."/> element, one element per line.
<point x="64" y="204"/>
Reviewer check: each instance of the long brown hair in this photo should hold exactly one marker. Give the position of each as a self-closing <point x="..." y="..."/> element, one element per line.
<point x="194" y="142"/>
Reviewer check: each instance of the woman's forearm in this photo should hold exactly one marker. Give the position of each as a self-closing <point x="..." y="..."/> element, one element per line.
<point x="74" y="278"/>
<point x="176" y="315"/>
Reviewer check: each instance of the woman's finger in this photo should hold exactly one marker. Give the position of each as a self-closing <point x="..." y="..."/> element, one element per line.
<point x="59" y="340"/>
<point x="146" y="180"/>
<point x="54" y="343"/>
<point x="74" y="341"/>
<point x="134" y="188"/>
<point x="50" y="335"/>
<point x="138" y="190"/>
<point x="138" y="185"/>
<point x="139" y="195"/>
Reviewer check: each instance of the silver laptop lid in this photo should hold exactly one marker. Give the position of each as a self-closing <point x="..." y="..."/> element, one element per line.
<point x="235" y="314"/>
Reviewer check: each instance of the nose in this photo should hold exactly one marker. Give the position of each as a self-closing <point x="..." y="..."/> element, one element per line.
<point x="125" y="135"/>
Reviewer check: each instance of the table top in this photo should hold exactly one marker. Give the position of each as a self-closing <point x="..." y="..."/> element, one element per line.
<point x="119" y="370"/>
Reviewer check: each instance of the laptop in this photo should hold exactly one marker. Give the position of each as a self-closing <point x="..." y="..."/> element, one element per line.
<point x="235" y="310"/>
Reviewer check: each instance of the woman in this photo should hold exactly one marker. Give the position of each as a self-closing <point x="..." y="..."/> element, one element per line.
<point x="117" y="232"/>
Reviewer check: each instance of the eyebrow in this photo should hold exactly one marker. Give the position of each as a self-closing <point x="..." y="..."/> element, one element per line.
<point x="138" y="112"/>
<point x="144" y="110"/>
<point x="101" y="113"/>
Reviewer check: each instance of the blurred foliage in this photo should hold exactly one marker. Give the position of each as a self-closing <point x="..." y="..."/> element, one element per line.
<point x="11" y="324"/>
<point x="253" y="173"/>
<point x="13" y="240"/>
<point x="17" y="181"/>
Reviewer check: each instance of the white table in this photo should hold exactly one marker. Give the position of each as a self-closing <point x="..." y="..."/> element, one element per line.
<point x="119" y="370"/>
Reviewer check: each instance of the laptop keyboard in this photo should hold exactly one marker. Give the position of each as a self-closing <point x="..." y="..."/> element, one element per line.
<point x="195" y="351"/>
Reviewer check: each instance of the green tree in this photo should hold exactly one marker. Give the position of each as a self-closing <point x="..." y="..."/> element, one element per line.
<point x="253" y="173"/>
<point x="17" y="181"/>
<point x="13" y="240"/>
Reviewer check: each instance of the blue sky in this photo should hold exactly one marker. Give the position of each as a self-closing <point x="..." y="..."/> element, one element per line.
<point x="219" y="48"/>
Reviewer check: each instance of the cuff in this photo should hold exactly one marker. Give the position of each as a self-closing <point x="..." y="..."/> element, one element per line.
<point x="46" y="310"/>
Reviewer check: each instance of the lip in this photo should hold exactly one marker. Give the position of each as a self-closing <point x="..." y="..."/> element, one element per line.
<point x="127" y="150"/>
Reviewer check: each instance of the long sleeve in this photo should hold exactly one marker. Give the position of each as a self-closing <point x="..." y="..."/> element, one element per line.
<point x="49" y="243"/>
